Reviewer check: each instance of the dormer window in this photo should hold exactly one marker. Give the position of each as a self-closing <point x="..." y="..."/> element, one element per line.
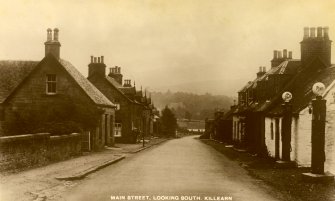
<point x="51" y="84"/>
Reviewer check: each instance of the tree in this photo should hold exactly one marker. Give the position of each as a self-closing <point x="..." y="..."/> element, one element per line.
<point x="169" y="122"/>
<point x="188" y="115"/>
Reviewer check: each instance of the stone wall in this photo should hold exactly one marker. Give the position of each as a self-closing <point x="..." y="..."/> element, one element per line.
<point x="23" y="151"/>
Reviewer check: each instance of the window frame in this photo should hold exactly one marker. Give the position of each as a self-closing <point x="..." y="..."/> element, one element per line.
<point x="52" y="82"/>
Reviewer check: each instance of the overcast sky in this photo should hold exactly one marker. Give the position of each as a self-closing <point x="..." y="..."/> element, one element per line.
<point x="161" y="43"/>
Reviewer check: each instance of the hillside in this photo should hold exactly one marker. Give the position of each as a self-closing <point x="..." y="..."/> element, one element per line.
<point x="191" y="106"/>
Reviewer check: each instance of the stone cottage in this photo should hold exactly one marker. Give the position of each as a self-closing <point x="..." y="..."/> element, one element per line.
<point x="132" y="112"/>
<point x="36" y="95"/>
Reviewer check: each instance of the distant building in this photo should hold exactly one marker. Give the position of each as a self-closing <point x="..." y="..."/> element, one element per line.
<point x="134" y="111"/>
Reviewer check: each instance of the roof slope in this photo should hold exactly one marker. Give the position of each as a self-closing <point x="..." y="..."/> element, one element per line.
<point x="95" y="95"/>
<point x="12" y="73"/>
<point x="301" y="87"/>
<point x="117" y="86"/>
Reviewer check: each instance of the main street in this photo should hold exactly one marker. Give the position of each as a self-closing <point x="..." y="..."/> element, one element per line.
<point x="179" y="167"/>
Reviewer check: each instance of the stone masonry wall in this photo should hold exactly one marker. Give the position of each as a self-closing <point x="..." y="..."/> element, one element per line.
<point x="23" y="151"/>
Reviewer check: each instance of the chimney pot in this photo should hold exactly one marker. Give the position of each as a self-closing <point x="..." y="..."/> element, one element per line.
<point x="110" y="70"/>
<point x="306" y="32"/>
<point x="275" y="54"/>
<point x="290" y="54"/>
<point x="95" y="60"/>
<point x="319" y="32"/>
<point x="312" y="32"/>
<point x="56" y="30"/>
<point x="264" y="69"/>
<point x="102" y="59"/>
<point x="279" y="55"/>
<point x="325" y="32"/>
<point x="49" y="34"/>
<point x="98" y="59"/>
<point x="91" y="59"/>
<point x="285" y="53"/>
<point x="260" y="69"/>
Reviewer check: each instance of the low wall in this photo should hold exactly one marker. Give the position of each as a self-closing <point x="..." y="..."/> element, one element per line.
<point x="23" y="151"/>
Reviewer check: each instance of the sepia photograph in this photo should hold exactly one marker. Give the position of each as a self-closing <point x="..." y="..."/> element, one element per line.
<point x="164" y="100"/>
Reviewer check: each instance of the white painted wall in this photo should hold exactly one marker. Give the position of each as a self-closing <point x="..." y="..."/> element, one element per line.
<point x="330" y="130"/>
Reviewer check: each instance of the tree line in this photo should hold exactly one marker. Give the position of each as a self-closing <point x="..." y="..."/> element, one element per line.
<point x="191" y="106"/>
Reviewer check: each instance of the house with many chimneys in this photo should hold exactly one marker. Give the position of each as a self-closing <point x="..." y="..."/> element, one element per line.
<point x="134" y="116"/>
<point x="257" y="124"/>
<point x="51" y="95"/>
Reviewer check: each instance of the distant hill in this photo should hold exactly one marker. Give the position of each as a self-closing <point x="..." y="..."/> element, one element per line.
<point x="215" y="87"/>
<point x="191" y="106"/>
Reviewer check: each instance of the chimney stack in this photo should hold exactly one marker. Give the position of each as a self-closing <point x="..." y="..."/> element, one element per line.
<point x="317" y="45"/>
<point x="52" y="46"/>
<point x="115" y="73"/>
<point x="261" y="72"/>
<point x="97" y="67"/>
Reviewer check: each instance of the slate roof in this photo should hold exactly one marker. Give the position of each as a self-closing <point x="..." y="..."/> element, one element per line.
<point x="301" y="87"/>
<point x="113" y="82"/>
<point x="128" y="90"/>
<point x="12" y="72"/>
<point x="86" y="85"/>
<point x="287" y="67"/>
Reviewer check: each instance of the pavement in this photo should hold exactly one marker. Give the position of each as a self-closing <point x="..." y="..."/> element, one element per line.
<point x="48" y="182"/>
<point x="183" y="169"/>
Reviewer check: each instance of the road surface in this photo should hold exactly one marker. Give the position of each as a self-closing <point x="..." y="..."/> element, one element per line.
<point x="182" y="168"/>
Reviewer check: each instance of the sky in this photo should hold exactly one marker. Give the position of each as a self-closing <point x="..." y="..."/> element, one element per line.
<point x="199" y="46"/>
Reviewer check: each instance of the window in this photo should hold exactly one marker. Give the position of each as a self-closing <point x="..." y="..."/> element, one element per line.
<point x="117" y="130"/>
<point x="51" y="84"/>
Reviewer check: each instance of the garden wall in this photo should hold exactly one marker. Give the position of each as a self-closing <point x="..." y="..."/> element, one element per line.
<point x="23" y="151"/>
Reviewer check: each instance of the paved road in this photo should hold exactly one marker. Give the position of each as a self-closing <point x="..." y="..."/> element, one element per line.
<point x="178" y="167"/>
